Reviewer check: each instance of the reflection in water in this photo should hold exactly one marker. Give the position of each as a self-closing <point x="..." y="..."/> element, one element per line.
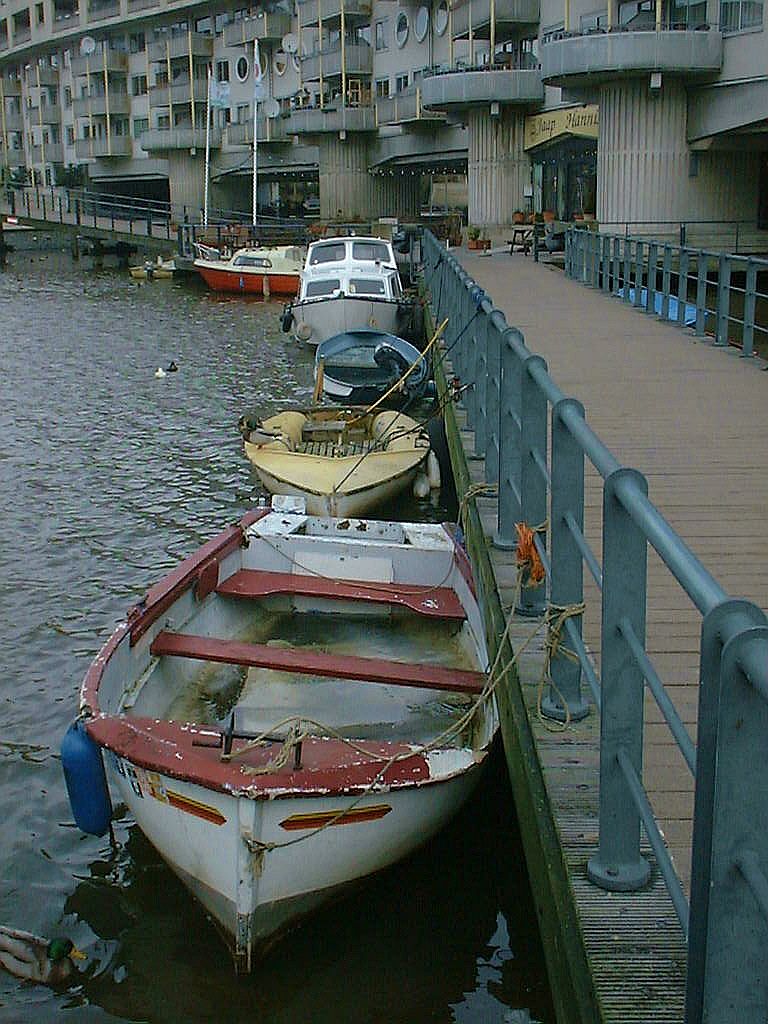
<point x="108" y="476"/>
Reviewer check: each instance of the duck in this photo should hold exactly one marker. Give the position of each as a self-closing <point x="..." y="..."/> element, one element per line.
<point x="33" y="958"/>
<point x="172" y="367"/>
<point x="159" y="372"/>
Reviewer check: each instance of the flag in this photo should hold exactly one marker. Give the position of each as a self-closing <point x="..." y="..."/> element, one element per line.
<point x="219" y="95"/>
<point x="259" y="85"/>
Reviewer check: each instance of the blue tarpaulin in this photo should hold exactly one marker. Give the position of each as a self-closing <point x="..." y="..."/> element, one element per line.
<point x="689" y="317"/>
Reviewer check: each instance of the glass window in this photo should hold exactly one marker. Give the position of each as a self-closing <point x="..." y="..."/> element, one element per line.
<point x="242" y="68"/>
<point x="251" y="261"/>
<point x="326" y="287"/>
<point x="380" y="35"/>
<point x="422" y="24"/>
<point x="140" y="125"/>
<point x="382" y="87"/>
<point x="222" y="70"/>
<point x="366" y="286"/>
<point x="139" y="85"/>
<point x="441" y="17"/>
<point x="330" y="253"/>
<point x="401" y="29"/>
<point x="137" y="42"/>
<point x="401" y="82"/>
<point x="370" y="251"/>
<point x="737" y="15"/>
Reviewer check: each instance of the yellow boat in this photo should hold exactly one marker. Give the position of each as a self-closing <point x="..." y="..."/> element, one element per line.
<point x="160" y="270"/>
<point x="343" y="462"/>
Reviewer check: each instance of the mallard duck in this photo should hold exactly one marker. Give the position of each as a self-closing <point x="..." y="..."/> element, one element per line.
<point x="49" y="962"/>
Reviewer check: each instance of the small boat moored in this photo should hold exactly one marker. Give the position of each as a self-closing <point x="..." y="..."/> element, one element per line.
<point x="341" y="461"/>
<point x="157" y="270"/>
<point x="265" y="271"/>
<point x="293" y="676"/>
<point x="361" y="366"/>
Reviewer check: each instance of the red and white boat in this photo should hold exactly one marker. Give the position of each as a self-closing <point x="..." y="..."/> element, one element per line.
<point x="298" y="705"/>
<point x="265" y="271"/>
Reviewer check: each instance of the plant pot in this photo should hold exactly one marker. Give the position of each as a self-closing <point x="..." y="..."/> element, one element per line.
<point x="483" y="243"/>
<point x="518" y="218"/>
<point x="548" y="215"/>
<point x="473" y="243"/>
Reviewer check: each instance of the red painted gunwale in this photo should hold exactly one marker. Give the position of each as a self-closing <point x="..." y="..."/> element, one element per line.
<point x="252" y="278"/>
<point x="298" y="659"/>
<point x="440" y="602"/>
<point x="190" y="753"/>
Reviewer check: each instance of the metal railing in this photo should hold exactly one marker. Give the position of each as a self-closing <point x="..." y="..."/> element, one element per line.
<point x="713" y="292"/>
<point x="536" y="442"/>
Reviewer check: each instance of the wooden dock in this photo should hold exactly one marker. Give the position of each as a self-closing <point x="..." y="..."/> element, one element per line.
<point x="687" y="415"/>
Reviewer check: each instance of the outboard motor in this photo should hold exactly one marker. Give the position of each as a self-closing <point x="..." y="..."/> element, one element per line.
<point x="397" y="363"/>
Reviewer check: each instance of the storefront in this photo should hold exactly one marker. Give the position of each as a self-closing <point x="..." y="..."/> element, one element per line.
<point x="562" y="146"/>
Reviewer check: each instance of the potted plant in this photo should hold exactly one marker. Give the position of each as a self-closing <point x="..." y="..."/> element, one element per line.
<point x="473" y="235"/>
<point x="483" y="242"/>
<point x="518" y="217"/>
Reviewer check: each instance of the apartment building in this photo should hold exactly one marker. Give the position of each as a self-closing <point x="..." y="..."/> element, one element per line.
<point x="640" y="112"/>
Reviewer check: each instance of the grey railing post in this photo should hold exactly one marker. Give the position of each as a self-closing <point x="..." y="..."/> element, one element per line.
<point x="510" y="442"/>
<point x="627" y="264"/>
<point x="479" y="331"/>
<point x="564" y="701"/>
<point x="639" y="267"/>
<point x="666" y="280"/>
<point x="713" y="638"/>
<point x="605" y="262"/>
<point x="533" y="462"/>
<point x="684" y="270"/>
<point x="702" y="264"/>
<point x="496" y="325"/>
<point x="750" y="293"/>
<point x="619" y="865"/>
<point x="650" y="284"/>
<point x="723" y="299"/>
<point x="735" y="973"/>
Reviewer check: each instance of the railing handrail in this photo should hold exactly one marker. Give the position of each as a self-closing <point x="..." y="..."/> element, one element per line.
<point x="509" y="409"/>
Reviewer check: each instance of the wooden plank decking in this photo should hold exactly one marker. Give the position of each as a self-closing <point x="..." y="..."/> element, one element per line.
<point x="689" y="416"/>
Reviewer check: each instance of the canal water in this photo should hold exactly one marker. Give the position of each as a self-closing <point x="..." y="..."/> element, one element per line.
<point x="108" y="476"/>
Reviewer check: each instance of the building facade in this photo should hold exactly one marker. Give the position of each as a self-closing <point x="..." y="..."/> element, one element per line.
<point x="642" y="112"/>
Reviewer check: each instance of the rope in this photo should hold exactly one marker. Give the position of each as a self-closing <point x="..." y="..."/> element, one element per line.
<point x="528" y="557"/>
<point x="555" y="620"/>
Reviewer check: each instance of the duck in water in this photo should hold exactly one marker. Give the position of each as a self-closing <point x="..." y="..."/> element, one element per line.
<point x="32" y="958"/>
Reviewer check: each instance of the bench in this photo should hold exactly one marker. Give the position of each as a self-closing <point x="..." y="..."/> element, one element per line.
<point x="309" y="662"/>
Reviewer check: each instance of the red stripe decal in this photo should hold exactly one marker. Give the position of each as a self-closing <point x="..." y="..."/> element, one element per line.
<point x="357" y="814"/>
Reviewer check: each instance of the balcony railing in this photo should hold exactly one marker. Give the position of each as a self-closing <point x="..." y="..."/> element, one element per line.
<point x="43" y="76"/>
<point x="405" y="106"/>
<point x="99" y="106"/>
<point x="313" y="120"/>
<point x="267" y="26"/>
<point x="13" y="157"/>
<point x="358" y="60"/>
<point x="175" y="46"/>
<point x="159" y="140"/>
<point x="14" y="122"/>
<point x="99" y="10"/>
<point x="461" y="87"/>
<point x="21" y="35"/>
<point x="269" y="129"/>
<point x="117" y="145"/>
<point x="627" y="51"/>
<point x="49" y="114"/>
<point x="179" y="92"/>
<point x="356" y="12"/>
<point x="506" y="14"/>
<point x="10" y="87"/>
<point x="51" y="153"/>
<point x="94" y="64"/>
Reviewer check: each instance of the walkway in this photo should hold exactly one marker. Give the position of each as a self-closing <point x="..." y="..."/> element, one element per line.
<point x="691" y="418"/>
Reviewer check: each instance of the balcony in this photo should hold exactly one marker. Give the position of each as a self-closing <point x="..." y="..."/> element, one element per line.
<point x="14" y="122"/>
<point x="460" y="88"/>
<point x="50" y="153"/>
<point x="100" y="10"/>
<point x="94" y="64"/>
<point x="356" y="12"/>
<point x="43" y="76"/>
<point x="174" y="47"/>
<point x="12" y="157"/>
<point x="358" y="59"/>
<point x="267" y="27"/>
<point x="66" y="21"/>
<point x="270" y="129"/>
<point x="49" y="114"/>
<point x="625" y="53"/>
<point x="21" y="35"/>
<point x="179" y="92"/>
<point x="104" y="148"/>
<point x="10" y="87"/>
<point x="163" y="139"/>
<point x="314" y="121"/>
<point x="509" y="15"/>
<point x="404" y="107"/>
<point x="97" y="106"/>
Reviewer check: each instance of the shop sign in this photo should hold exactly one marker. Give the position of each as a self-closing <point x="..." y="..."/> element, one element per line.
<point x="541" y="128"/>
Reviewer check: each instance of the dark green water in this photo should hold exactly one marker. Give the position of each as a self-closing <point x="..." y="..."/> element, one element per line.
<point x="107" y="477"/>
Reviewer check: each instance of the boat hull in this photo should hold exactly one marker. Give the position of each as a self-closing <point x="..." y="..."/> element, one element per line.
<point x="247" y="281"/>
<point x="316" y="320"/>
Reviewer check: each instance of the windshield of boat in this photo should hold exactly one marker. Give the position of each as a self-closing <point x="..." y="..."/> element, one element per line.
<point x="251" y="261"/>
<point x="327" y="286"/>
<point x="371" y="251"/>
<point x="330" y="253"/>
<point x="366" y="286"/>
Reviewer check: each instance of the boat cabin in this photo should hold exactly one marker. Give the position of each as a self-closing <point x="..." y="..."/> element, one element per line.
<point x="381" y="284"/>
<point x="351" y="251"/>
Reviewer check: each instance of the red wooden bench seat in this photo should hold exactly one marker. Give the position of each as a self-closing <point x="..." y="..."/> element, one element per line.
<point x="299" y="659"/>
<point x="440" y="602"/>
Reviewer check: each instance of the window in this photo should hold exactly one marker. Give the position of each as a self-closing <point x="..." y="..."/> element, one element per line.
<point x="326" y="287"/>
<point x="139" y="85"/>
<point x="382" y="87"/>
<point x="40" y="13"/>
<point x="241" y="68"/>
<point x="252" y="261"/>
<point x="589" y="22"/>
<point x="67" y="97"/>
<point x="370" y="251"/>
<point x="137" y="42"/>
<point x="327" y="253"/>
<point x="280" y="62"/>
<point x="366" y="286"/>
<point x="222" y="70"/>
<point x="140" y="125"/>
<point x="738" y="15"/>
<point x="441" y="17"/>
<point x="164" y="122"/>
<point x="243" y="113"/>
<point x="204" y="26"/>
<point x="380" y="35"/>
<point x="422" y="24"/>
<point x="401" y="82"/>
<point x="70" y="135"/>
<point x="402" y="26"/>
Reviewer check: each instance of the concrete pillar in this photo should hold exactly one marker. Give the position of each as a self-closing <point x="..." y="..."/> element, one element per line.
<point x="185" y="176"/>
<point x="348" y="191"/>
<point x="646" y="173"/>
<point x="498" y="168"/>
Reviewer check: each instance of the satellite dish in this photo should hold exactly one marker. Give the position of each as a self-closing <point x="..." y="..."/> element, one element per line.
<point x="270" y="107"/>
<point x="87" y="45"/>
<point x="290" y="43"/>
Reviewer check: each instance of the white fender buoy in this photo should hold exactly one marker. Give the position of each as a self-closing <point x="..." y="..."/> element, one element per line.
<point x="433" y="472"/>
<point x="421" y="486"/>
